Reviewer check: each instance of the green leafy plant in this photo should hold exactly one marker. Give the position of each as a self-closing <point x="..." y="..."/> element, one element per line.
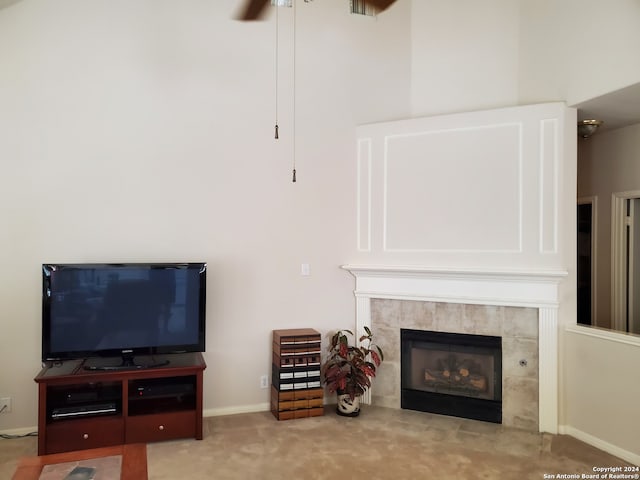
<point x="348" y="369"/>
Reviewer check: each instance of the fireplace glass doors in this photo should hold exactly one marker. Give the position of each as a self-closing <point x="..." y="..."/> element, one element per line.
<point x="452" y="374"/>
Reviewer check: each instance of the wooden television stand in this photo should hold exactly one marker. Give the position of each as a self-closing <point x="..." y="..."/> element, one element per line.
<point x="80" y="409"/>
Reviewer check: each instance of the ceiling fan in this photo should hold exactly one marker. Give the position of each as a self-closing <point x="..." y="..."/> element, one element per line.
<point x="254" y="9"/>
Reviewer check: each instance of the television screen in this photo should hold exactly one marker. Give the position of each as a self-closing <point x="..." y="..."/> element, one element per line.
<point x="122" y="309"/>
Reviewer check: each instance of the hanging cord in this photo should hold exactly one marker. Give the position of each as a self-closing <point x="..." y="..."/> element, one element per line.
<point x="276" y="82"/>
<point x="294" y="92"/>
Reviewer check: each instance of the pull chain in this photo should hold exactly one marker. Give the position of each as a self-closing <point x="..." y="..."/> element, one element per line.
<point x="276" y="136"/>
<point x="294" y="92"/>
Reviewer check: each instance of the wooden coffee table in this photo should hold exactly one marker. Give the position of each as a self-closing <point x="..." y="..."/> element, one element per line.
<point x="134" y="461"/>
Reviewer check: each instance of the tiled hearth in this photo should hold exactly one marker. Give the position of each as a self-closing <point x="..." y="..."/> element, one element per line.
<point x="517" y="326"/>
<point x="519" y="306"/>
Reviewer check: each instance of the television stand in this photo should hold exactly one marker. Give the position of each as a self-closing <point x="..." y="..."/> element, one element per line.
<point x="80" y="409"/>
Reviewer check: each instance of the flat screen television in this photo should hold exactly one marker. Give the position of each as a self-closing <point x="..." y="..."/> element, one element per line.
<point x="117" y="311"/>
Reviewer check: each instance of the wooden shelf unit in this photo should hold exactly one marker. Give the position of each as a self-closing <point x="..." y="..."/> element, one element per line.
<point x="146" y="405"/>
<point x="296" y="391"/>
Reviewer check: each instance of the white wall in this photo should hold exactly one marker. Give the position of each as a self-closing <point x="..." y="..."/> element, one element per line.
<point x="143" y="131"/>
<point x="575" y="50"/>
<point x="465" y="55"/>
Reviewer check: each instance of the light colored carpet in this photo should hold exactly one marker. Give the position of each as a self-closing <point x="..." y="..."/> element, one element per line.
<point x="380" y="444"/>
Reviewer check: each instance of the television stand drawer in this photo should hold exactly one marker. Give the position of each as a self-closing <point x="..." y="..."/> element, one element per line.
<point x="84" y="433"/>
<point x="159" y="427"/>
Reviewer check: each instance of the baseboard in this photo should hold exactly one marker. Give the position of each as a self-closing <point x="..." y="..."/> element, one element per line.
<point x="217" y="412"/>
<point x="19" y="432"/>
<point x="626" y="455"/>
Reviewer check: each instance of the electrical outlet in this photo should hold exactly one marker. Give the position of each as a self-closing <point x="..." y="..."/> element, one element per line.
<point x="264" y="381"/>
<point x="5" y="405"/>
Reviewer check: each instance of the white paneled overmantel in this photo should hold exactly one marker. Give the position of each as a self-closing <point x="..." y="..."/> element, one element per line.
<point x="506" y="287"/>
<point x="466" y="189"/>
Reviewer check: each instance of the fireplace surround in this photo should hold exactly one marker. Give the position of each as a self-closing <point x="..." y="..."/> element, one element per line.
<point x="517" y="328"/>
<point x="523" y="305"/>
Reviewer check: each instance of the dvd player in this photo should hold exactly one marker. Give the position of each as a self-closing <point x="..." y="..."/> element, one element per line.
<point x="157" y="390"/>
<point x="84" y="410"/>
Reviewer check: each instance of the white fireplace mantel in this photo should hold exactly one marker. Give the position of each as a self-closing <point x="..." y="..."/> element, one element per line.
<point x="518" y="288"/>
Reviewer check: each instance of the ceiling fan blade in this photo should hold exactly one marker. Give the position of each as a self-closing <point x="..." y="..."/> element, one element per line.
<point x="380" y="5"/>
<point x="253" y="9"/>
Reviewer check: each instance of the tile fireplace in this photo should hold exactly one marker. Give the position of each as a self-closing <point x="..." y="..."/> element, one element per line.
<point x="519" y="306"/>
<point x="514" y="329"/>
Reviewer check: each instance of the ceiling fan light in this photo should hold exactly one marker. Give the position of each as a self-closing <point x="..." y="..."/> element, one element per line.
<point x="586" y="128"/>
<point x="282" y="3"/>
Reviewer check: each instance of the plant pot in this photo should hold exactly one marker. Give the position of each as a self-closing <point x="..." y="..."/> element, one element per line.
<point x="347" y="407"/>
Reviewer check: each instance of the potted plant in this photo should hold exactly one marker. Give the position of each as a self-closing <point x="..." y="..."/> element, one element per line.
<point x="348" y="369"/>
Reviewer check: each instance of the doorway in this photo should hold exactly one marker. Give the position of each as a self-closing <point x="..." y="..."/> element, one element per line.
<point x="626" y="261"/>
<point x="586" y="307"/>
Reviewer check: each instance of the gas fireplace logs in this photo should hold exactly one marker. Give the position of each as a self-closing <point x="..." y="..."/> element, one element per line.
<point x="453" y="374"/>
